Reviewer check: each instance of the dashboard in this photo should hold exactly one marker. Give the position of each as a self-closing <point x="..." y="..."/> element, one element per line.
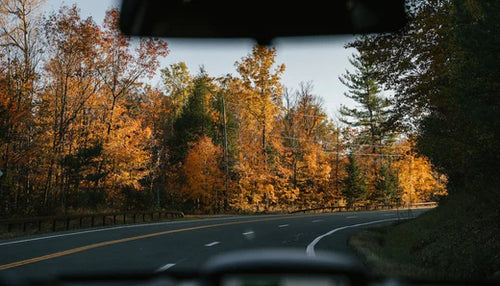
<point x="264" y="267"/>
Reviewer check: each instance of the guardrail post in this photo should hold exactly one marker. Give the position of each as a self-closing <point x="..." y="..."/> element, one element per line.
<point x="48" y="223"/>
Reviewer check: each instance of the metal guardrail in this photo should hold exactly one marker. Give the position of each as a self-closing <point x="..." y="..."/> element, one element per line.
<point x="367" y="207"/>
<point x="423" y="205"/>
<point x="68" y="222"/>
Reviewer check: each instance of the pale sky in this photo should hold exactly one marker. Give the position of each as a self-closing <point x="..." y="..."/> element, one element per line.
<point x="319" y="60"/>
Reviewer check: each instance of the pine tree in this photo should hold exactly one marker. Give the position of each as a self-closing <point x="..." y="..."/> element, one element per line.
<point x="194" y="121"/>
<point x="374" y="115"/>
<point x="387" y="189"/>
<point x="354" y="186"/>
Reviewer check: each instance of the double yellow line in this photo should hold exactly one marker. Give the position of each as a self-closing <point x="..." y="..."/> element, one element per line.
<point x="105" y="243"/>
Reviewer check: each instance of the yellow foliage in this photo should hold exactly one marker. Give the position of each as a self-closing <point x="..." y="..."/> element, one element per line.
<point x="420" y="183"/>
<point x="126" y="150"/>
<point x="204" y="178"/>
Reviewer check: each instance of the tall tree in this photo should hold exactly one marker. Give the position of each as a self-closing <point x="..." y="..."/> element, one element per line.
<point x="387" y="189"/>
<point x="20" y="55"/>
<point x="204" y="176"/>
<point x="261" y="89"/>
<point x="194" y="121"/>
<point x="442" y="69"/>
<point x="70" y="85"/>
<point x="305" y="136"/>
<point x="354" y="186"/>
<point x="374" y="114"/>
<point x="121" y="67"/>
<point x="178" y="84"/>
<point x="257" y="102"/>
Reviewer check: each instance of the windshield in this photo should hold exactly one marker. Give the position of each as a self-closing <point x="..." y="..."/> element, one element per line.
<point x="122" y="154"/>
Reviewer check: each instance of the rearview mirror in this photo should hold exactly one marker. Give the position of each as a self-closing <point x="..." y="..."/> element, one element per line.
<point x="262" y="20"/>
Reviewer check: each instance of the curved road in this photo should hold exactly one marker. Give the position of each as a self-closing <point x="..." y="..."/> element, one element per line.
<point x="179" y="244"/>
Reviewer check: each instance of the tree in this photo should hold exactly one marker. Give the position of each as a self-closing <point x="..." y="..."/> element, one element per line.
<point x="204" y="177"/>
<point x="387" y="189"/>
<point x="178" y="84"/>
<point x="306" y="134"/>
<point x="20" y="55"/>
<point x="71" y="84"/>
<point x="354" y="186"/>
<point x="194" y="121"/>
<point x="120" y="69"/>
<point x="260" y="90"/>
<point x="441" y="69"/>
<point x="374" y="115"/>
<point x="418" y="180"/>
<point x="256" y="103"/>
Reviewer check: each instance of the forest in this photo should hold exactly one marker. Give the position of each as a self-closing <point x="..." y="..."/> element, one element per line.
<point x="82" y="129"/>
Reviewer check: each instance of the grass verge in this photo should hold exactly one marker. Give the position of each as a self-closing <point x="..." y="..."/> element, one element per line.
<point x="459" y="240"/>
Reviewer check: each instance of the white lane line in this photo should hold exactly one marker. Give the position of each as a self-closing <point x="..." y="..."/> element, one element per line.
<point x="111" y="228"/>
<point x="212" y="243"/>
<point x="317" y="220"/>
<point x="165" y="267"/>
<point x="62" y="235"/>
<point x="352" y="216"/>
<point x="310" y="248"/>
<point x="283" y="225"/>
<point x="248" y="233"/>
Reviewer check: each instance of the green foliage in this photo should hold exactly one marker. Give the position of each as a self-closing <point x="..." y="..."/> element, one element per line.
<point x="178" y="84"/>
<point x="194" y="121"/>
<point x="387" y="189"/>
<point x="462" y="134"/>
<point x="374" y="115"/>
<point x="354" y="185"/>
<point x="443" y="70"/>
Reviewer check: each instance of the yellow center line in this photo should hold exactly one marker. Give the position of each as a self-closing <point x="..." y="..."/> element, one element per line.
<point x="105" y="243"/>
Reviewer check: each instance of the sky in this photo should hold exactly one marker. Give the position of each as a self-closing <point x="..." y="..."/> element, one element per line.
<point x="319" y="60"/>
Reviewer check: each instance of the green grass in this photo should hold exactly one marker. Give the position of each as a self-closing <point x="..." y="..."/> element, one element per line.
<point x="457" y="240"/>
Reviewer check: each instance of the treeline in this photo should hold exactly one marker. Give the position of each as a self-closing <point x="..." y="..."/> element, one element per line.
<point x="443" y="69"/>
<point x="81" y="130"/>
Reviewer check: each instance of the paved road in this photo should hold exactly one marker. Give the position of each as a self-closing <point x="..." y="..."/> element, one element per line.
<point x="178" y="245"/>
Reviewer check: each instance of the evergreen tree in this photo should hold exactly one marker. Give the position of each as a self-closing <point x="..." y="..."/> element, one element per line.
<point x="354" y="186"/>
<point x="194" y="121"/>
<point x="374" y="114"/>
<point x="387" y="189"/>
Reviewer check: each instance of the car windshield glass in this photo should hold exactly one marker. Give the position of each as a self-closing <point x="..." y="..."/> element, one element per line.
<point x="127" y="154"/>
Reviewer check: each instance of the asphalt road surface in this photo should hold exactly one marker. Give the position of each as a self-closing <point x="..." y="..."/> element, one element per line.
<point x="174" y="245"/>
